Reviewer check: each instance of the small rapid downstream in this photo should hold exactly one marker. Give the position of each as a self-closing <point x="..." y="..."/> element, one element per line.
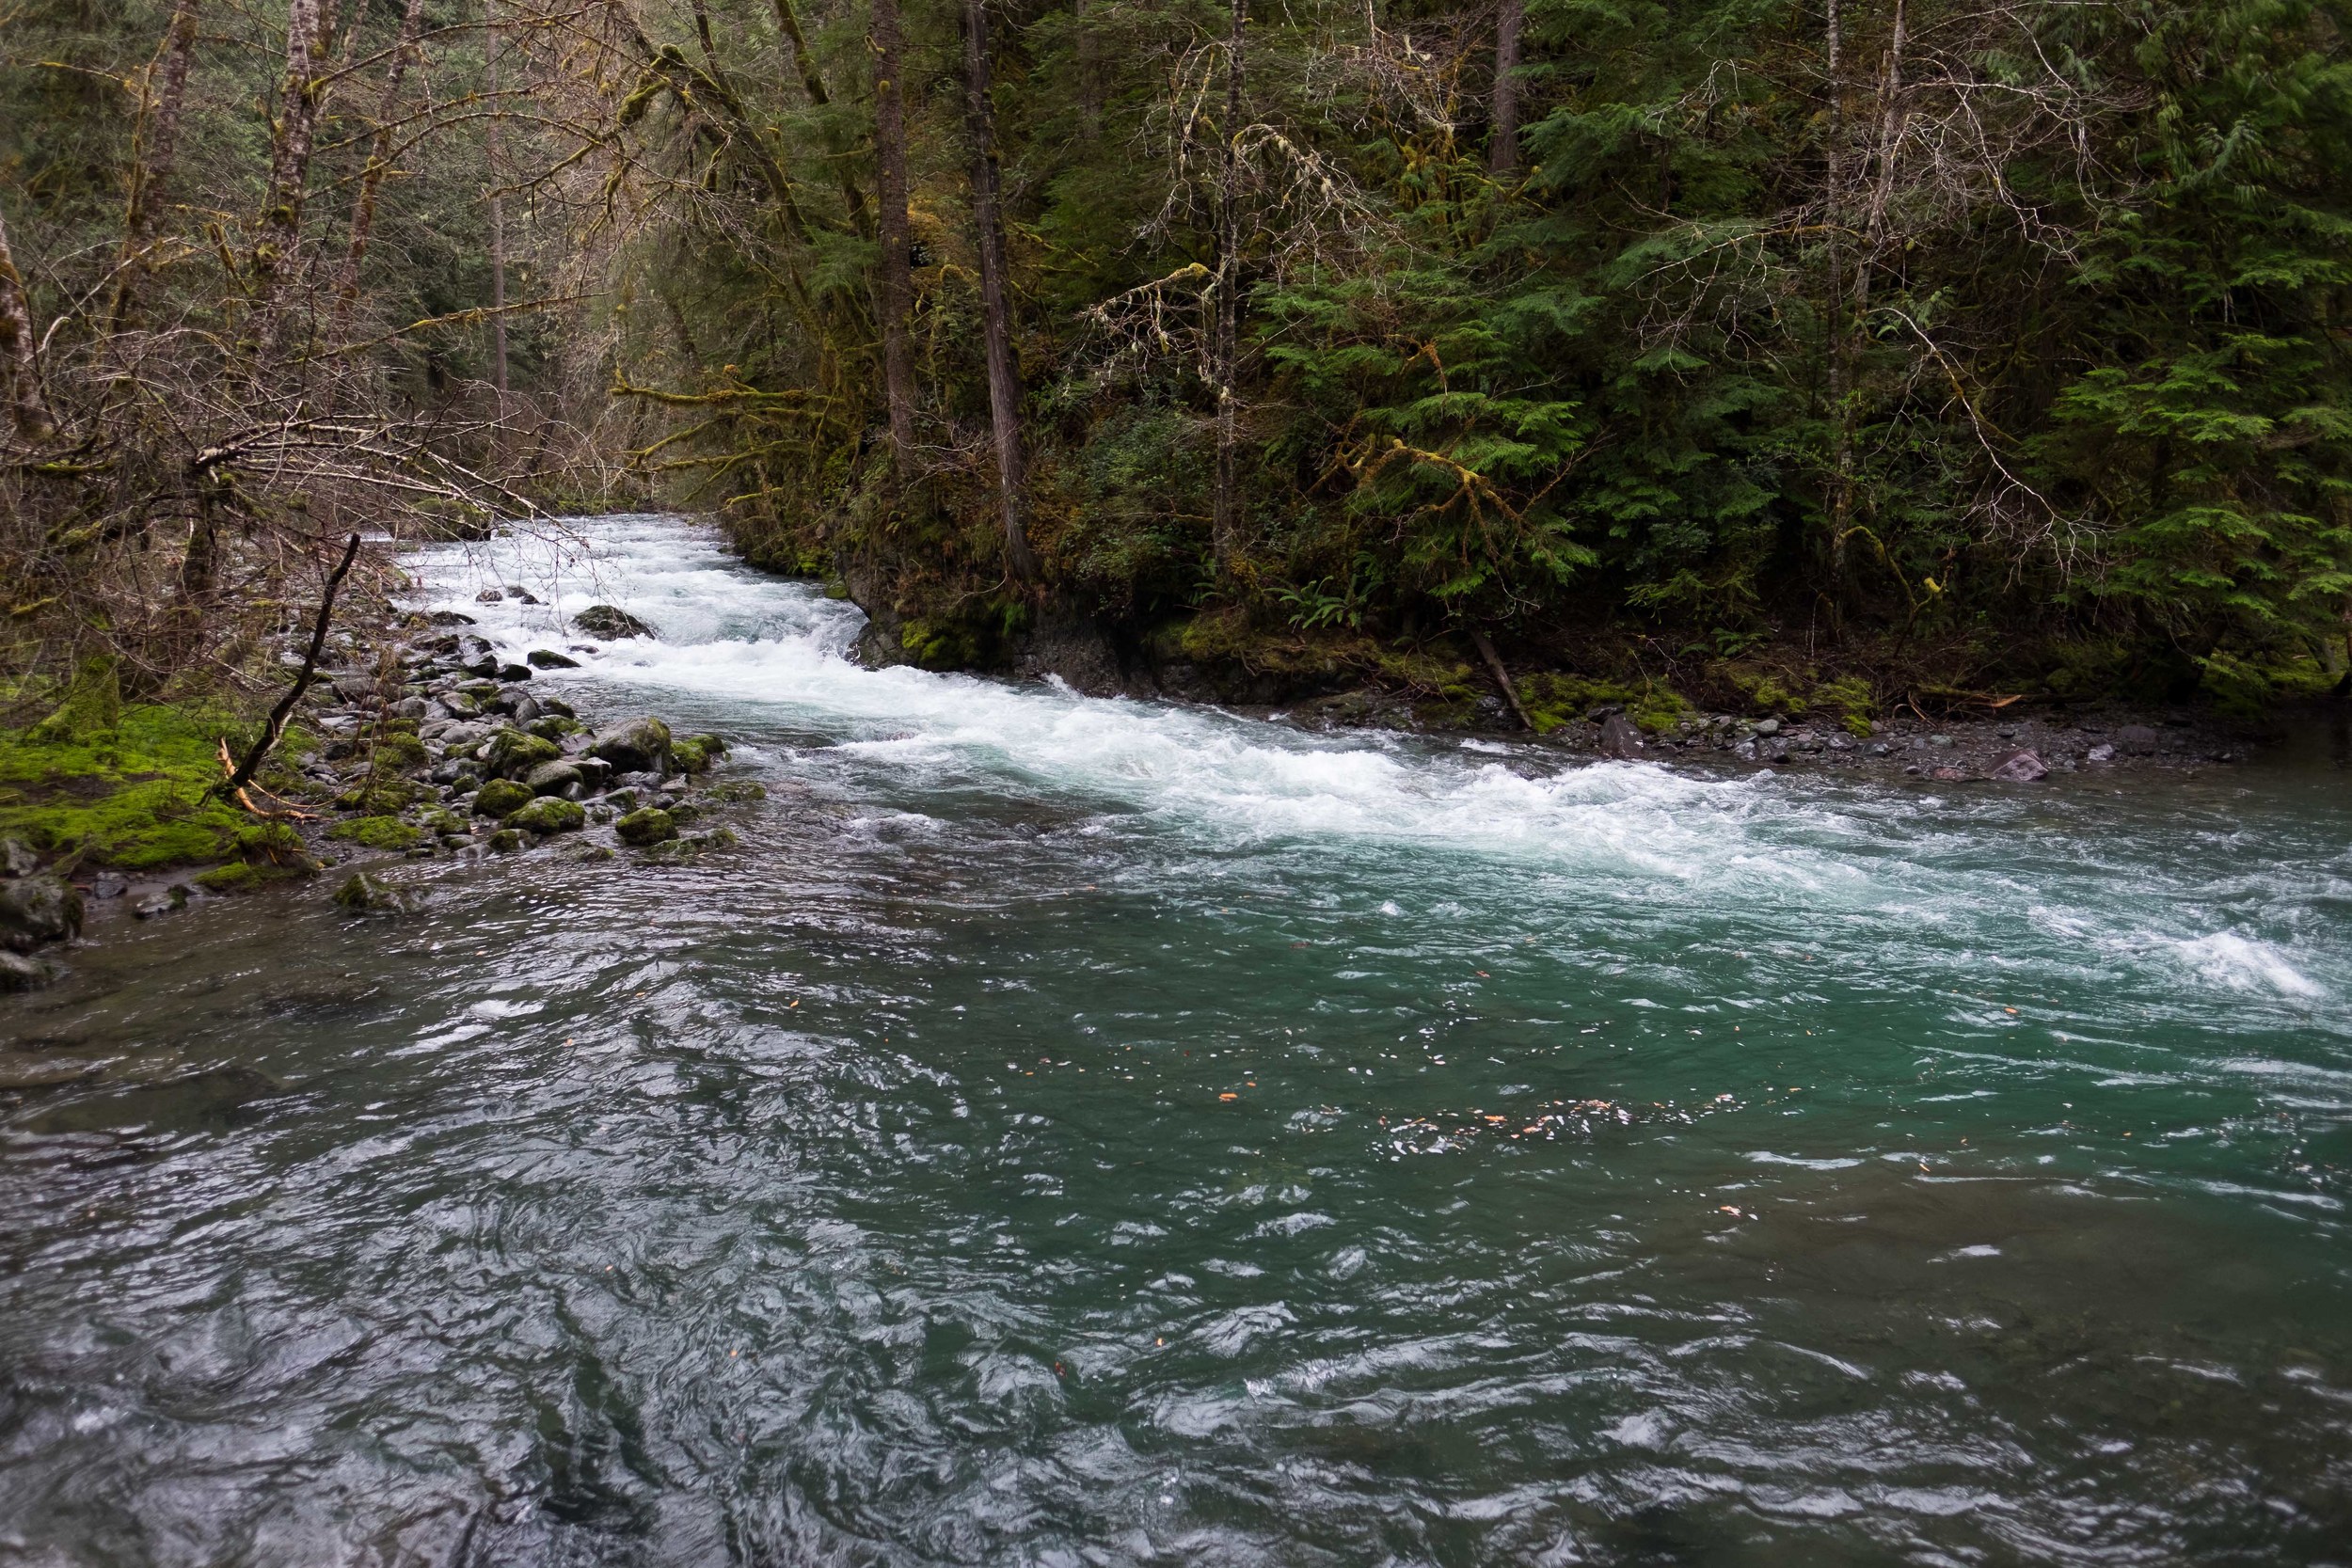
<point x="1077" y="1131"/>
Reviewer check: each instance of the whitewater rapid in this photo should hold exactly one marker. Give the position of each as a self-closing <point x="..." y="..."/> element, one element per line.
<point x="1962" y="881"/>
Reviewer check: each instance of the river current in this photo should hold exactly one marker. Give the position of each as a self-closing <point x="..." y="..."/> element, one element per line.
<point x="1072" y="1131"/>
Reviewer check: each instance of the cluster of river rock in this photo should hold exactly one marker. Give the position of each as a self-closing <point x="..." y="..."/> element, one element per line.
<point x="456" y="752"/>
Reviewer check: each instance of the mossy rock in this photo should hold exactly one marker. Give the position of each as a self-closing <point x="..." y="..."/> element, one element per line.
<point x="446" y="823"/>
<point x="377" y="832"/>
<point x="511" y="753"/>
<point x="247" y="877"/>
<point x="387" y="793"/>
<point x="1554" y="700"/>
<point x="648" y="825"/>
<point x="364" y="894"/>
<point x="501" y="797"/>
<point x="736" y="791"/>
<point x="1848" y="697"/>
<point x="399" y="752"/>
<point x="506" y="841"/>
<point x="549" y="813"/>
<point x="695" y="754"/>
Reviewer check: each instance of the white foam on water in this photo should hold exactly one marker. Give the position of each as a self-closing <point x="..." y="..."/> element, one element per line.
<point x="2242" y="963"/>
<point x="1948" y="878"/>
<point x="731" y="635"/>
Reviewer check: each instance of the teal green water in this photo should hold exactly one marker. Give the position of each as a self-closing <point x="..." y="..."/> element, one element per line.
<point x="1071" y="1131"/>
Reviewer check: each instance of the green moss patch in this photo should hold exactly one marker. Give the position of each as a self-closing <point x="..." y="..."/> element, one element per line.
<point x="377" y="832"/>
<point x="248" y="876"/>
<point x="130" y="796"/>
<point x="1554" y="700"/>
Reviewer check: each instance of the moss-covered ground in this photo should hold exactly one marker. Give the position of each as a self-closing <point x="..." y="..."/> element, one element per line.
<point x="131" y="795"/>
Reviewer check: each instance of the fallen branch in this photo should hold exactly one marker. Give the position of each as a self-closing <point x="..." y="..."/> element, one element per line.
<point x="1502" y="677"/>
<point x="235" y="785"/>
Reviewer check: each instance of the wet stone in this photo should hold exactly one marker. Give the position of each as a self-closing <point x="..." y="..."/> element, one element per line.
<point x="38" y="909"/>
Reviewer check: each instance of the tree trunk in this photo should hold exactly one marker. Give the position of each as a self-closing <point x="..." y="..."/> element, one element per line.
<point x="151" y="159"/>
<point x="788" y="23"/>
<point x="1841" y="457"/>
<point x="277" y="252"/>
<point x="1225" y="350"/>
<point x="813" y="84"/>
<point x="898" y="281"/>
<point x="378" y="165"/>
<point x="18" y="350"/>
<point x="495" y="151"/>
<point x="1502" y="142"/>
<point x="1003" y="367"/>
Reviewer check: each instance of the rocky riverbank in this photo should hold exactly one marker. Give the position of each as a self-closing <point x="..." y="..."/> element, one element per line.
<point x="420" y="743"/>
<point x="1998" y="749"/>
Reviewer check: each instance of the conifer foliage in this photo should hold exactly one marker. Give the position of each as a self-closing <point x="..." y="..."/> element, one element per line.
<point x="1979" y="341"/>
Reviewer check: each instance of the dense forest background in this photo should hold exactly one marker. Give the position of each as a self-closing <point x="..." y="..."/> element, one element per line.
<point x="1896" y="350"/>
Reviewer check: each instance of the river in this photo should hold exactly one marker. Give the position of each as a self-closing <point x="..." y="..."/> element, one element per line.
<point x="1074" y="1130"/>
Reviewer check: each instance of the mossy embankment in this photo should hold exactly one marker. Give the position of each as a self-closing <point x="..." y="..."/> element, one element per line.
<point x="135" y="793"/>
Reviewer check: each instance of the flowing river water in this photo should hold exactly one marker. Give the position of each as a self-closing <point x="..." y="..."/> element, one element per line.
<point x="1071" y="1130"/>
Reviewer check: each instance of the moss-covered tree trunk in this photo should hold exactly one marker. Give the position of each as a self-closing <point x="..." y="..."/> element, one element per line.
<point x="898" y="279"/>
<point x="1003" y="367"/>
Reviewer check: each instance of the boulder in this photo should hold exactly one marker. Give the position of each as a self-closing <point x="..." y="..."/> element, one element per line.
<point x="1767" y="726"/>
<point x="500" y="797"/>
<point x="555" y="777"/>
<point x="512" y="754"/>
<point x="1619" y="738"/>
<point x="696" y="754"/>
<point x="2104" y="751"/>
<point x="550" y="813"/>
<point x="363" y="895"/>
<point x="172" y="898"/>
<point x="640" y="746"/>
<point x="611" y="621"/>
<point x="489" y="596"/>
<point x="19" y="973"/>
<point x="448" y="618"/>
<point x="648" y="825"/>
<point x="17" y="858"/>
<point x="521" y="596"/>
<point x="2135" y="740"/>
<point x="547" y="658"/>
<point x="2020" y="767"/>
<point x="37" y="909"/>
